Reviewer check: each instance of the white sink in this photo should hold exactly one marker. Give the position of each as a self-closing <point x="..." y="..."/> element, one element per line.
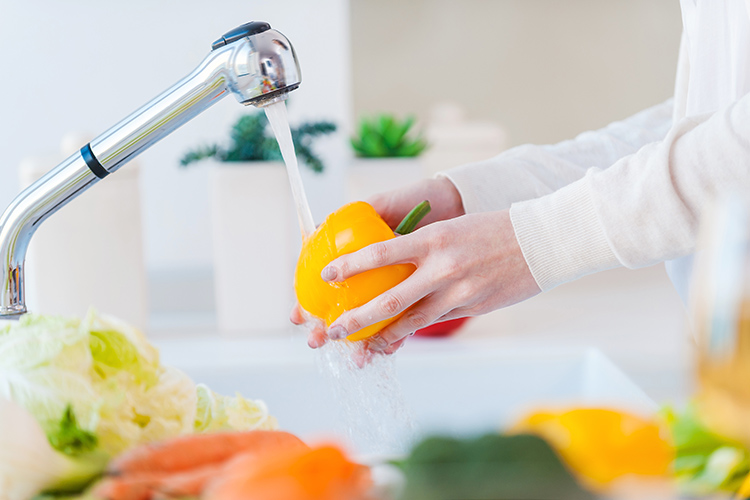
<point x="450" y="385"/>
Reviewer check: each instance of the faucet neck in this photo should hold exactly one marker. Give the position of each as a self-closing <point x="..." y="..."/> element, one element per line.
<point x="254" y="62"/>
<point x="203" y="87"/>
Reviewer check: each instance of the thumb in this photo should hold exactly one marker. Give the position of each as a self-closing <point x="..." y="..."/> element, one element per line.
<point x="387" y="206"/>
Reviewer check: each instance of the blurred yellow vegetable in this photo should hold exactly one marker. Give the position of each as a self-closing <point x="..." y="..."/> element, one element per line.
<point x="744" y="491"/>
<point x="602" y="445"/>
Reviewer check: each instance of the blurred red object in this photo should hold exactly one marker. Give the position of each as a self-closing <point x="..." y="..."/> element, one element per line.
<point x="442" y="329"/>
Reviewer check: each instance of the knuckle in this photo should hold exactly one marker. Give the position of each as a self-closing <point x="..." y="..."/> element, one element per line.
<point x="417" y="320"/>
<point x="464" y="292"/>
<point x="390" y="303"/>
<point x="450" y="268"/>
<point x="475" y="309"/>
<point x="378" y="254"/>
<point x="353" y="324"/>
<point x="343" y="267"/>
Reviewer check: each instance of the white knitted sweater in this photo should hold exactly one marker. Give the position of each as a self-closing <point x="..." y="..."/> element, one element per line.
<point x="632" y="193"/>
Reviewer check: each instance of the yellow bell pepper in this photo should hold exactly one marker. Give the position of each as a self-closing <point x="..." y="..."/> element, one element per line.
<point x="348" y="229"/>
<point x="744" y="491"/>
<point x="603" y="445"/>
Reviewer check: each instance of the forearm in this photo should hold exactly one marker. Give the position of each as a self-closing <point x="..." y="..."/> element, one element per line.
<point x="530" y="171"/>
<point x="642" y="210"/>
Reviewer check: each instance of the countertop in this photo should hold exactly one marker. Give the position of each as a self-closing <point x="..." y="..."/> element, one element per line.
<point x="635" y="318"/>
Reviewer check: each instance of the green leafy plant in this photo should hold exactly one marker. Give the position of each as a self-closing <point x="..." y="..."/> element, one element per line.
<point x="252" y="141"/>
<point x="385" y="136"/>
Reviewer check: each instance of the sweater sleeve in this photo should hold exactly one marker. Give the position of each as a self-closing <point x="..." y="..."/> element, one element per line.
<point x="531" y="171"/>
<point x="643" y="209"/>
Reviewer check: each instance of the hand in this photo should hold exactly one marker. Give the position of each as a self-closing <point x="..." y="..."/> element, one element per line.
<point x="441" y="193"/>
<point x="393" y="207"/>
<point x="466" y="266"/>
<point x="317" y="335"/>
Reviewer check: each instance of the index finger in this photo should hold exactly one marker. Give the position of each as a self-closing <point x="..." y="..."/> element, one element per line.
<point x="385" y="253"/>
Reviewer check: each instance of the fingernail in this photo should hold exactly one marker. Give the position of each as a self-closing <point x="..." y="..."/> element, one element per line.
<point x="337" y="332"/>
<point x="377" y="344"/>
<point x="328" y="273"/>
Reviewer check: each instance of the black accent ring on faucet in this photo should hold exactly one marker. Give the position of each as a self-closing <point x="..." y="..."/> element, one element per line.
<point x="96" y="168"/>
<point x="247" y="29"/>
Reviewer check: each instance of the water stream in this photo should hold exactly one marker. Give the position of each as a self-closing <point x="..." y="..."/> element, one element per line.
<point x="277" y="117"/>
<point x="373" y="412"/>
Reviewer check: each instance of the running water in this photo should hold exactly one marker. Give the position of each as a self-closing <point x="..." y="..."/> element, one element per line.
<point x="276" y="114"/>
<point x="373" y="409"/>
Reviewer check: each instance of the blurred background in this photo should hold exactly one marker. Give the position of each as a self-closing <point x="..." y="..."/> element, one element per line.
<point x="507" y="71"/>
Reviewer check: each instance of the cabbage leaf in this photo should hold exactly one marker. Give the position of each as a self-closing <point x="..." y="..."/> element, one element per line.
<point x="96" y="387"/>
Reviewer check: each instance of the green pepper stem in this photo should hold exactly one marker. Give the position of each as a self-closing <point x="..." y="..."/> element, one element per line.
<point x="413" y="218"/>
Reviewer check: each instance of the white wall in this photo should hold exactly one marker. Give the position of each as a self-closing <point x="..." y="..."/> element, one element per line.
<point x="545" y="69"/>
<point x="85" y="64"/>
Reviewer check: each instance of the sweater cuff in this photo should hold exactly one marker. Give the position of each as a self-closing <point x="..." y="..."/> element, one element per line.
<point x="463" y="185"/>
<point x="481" y="196"/>
<point x="561" y="237"/>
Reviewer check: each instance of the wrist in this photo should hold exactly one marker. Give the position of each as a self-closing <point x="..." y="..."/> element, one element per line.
<point x="450" y="197"/>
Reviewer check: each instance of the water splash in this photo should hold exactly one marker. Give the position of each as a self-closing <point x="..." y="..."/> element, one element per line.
<point x="277" y="117"/>
<point x="373" y="410"/>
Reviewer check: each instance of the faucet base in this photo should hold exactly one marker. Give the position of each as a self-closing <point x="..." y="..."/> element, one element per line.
<point x="11" y="314"/>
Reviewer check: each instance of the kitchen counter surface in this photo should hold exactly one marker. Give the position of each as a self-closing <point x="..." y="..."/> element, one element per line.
<point x="635" y="318"/>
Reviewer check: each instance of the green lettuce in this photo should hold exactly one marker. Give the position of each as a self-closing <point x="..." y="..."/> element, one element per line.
<point x="29" y="464"/>
<point x="96" y="386"/>
<point x="222" y="413"/>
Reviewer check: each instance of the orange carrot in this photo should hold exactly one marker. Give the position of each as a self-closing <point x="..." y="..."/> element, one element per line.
<point x="189" y="452"/>
<point x="187" y="483"/>
<point x="124" y="488"/>
<point x="148" y="485"/>
<point x="322" y="473"/>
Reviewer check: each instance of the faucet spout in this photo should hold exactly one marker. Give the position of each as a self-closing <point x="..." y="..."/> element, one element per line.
<point x="254" y="62"/>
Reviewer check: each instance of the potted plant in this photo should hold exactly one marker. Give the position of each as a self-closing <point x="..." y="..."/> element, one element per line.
<point x="387" y="154"/>
<point x="254" y="235"/>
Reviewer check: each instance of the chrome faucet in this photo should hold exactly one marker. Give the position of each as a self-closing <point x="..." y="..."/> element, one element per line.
<point x="254" y="62"/>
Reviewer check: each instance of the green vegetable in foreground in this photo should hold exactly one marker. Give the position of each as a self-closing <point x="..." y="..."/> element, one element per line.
<point x="69" y="438"/>
<point x="519" y="467"/>
<point x="29" y="464"/>
<point x="86" y="390"/>
<point x="705" y="462"/>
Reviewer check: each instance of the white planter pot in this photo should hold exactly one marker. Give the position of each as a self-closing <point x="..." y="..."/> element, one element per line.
<point x="369" y="176"/>
<point x="90" y="253"/>
<point x="255" y="247"/>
